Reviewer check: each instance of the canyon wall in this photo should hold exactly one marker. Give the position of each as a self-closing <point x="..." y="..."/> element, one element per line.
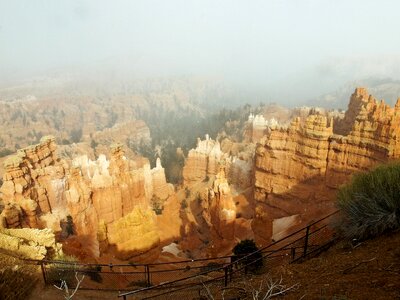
<point x="121" y="207"/>
<point x="40" y="190"/>
<point x="219" y="210"/>
<point x="257" y="127"/>
<point x="373" y="137"/>
<point x="204" y="162"/>
<point x="218" y="188"/>
<point x="299" y="168"/>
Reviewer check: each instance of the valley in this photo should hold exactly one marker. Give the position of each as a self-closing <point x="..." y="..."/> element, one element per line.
<point x="156" y="188"/>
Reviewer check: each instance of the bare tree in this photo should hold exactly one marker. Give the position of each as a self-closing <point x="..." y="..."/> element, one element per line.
<point x="64" y="287"/>
<point x="270" y="288"/>
<point x="267" y="289"/>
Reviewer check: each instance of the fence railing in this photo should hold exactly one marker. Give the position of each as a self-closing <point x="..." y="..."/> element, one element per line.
<point x="120" y="277"/>
<point x="300" y="244"/>
<point x="187" y="276"/>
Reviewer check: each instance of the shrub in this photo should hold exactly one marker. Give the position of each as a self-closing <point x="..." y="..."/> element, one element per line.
<point x="371" y="203"/>
<point x="93" y="144"/>
<point x="94" y="273"/>
<point x="63" y="268"/>
<point x="70" y="226"/>
<point x="245" y="247"/>
<point x="187" y="192"/>
<point x="76" y="135"/>
<point x="157" y="205"/>
<point x="184" y="204"/>
<point x="5" y="152"/>
<point x="198" y="198"/>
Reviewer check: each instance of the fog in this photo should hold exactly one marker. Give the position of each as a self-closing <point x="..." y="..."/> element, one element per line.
<point x="283" y="50"/>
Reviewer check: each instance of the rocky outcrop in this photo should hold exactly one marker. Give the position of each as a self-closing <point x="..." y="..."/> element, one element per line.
<point x="373" y="137"/>
<point x="29" y="243"/>
<point x="41" y="190"/>
<point x="11" y="216"/>
<point x="134" y="234"/>
<point x="209" y="218"/>
<point x="219" y="209"/>
<point x="258" y="126"/>
<point x="203" y="162"/>
<point x="298" y="169"/>
<point x="34" y="179"/>
<point x="134" y="131"/>
<point x="293" y="155"/>
<point x="114" y="189"/>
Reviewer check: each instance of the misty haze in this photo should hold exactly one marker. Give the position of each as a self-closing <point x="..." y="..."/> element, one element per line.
<point x="199" y="149"/>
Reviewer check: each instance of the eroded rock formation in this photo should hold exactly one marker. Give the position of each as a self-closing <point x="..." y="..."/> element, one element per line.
<point x="29" y="243"/>
<point x="203" y="162"/>
<point x="34" y="179"/>
<point x="41" y="190"/>
<point x="373" y="137"/>
<point x="219" y="209"/>
<point x="298" y="169"/>
<point x="135" y="233"/>
<point x="258" y="126"/>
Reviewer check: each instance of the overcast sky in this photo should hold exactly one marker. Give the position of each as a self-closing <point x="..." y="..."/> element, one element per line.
<point x="282" y="46"/>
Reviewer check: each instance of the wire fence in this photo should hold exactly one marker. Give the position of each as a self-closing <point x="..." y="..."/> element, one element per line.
<point x="191" y="279"/>
<point x="299" y="245"/>
<point x="125" y="277"/>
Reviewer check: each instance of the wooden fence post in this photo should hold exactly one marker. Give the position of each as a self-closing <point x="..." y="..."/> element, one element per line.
<point x="306" y="240"/>
<point x="226" y="276"/>
<point x="43" y="272"/>
<point x="148" y="279"/>
<point x="293" y="252"/>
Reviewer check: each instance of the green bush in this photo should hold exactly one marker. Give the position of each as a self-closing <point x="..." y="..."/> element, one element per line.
<point x="157" y="205"/>
<point x="184" y="204"/>
<point x="64" y="267"/>
<point x="5" y="152"/>
<point x="245" y="247"/>
<point x="371" y="203"/>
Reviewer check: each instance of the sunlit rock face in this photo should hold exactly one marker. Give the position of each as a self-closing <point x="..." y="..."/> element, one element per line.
<point x="116" y="189"/>
<point x="292" y="155"/>
<point x="135" y="130"/>
<point x="134" y="234"/>
<point x="203" y="163"/>
<point x="41" y="190"/>
<point x="219" y="207"/>
<point x="298" y="169"/>
<point x="210" y="227"/>
<point x="29" y="243"/>
<point x="373" y="137"/>
<point x="258" y="126"/>
<point x="34" y="180"/>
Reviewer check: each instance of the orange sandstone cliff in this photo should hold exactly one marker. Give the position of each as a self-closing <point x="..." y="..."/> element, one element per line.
<point x="103" y="197"/>
<point x="299" y="168"/>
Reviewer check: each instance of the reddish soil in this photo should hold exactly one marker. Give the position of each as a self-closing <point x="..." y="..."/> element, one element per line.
<point x="369" y="270"/>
